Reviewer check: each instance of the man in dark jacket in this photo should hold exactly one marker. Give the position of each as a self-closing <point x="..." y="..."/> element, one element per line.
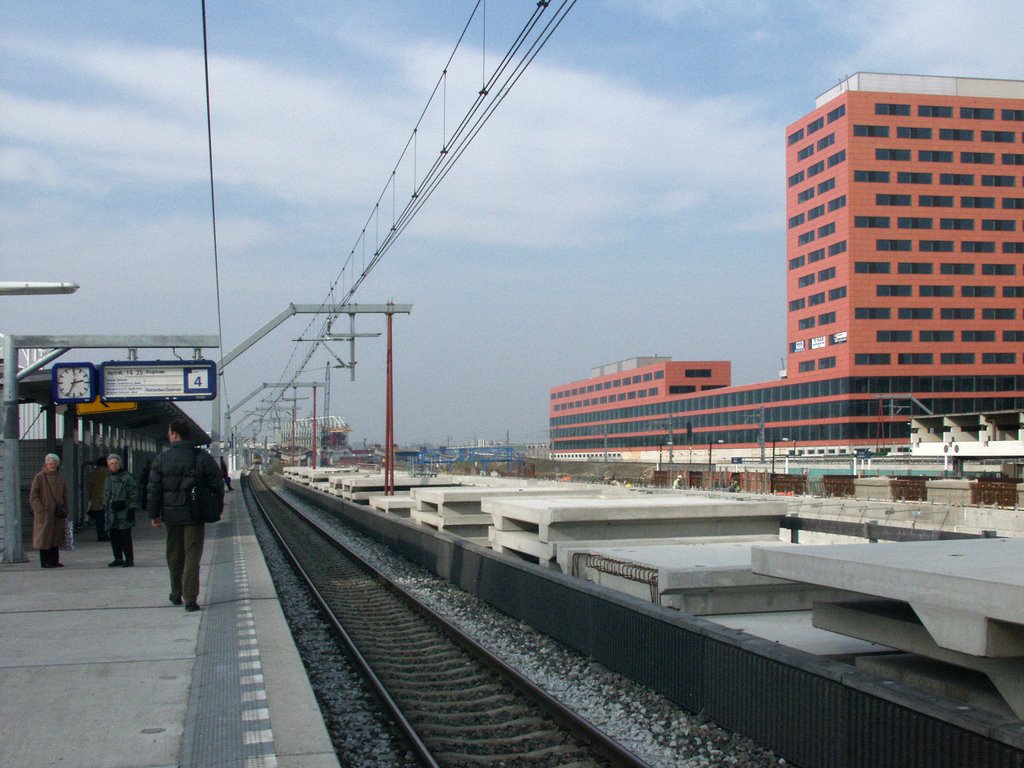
<point x="171" y="479"/>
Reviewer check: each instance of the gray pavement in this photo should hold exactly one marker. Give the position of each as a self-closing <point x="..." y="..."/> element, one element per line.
<point x="97" y="668"/>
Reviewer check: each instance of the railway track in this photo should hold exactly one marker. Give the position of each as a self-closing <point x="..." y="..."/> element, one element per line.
<point x="456" y="704"/>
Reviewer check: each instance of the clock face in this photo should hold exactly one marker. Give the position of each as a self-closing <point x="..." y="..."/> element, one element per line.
<point x="74" y="382"/>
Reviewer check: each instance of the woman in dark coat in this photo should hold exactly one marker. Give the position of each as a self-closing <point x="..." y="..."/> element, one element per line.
<point x="48" y="498"/>
<point x="120" y="503"/>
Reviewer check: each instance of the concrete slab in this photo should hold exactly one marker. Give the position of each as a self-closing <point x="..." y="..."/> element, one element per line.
<point x="457" y="509"/>
<point x="453" y="497"/>
<point x="895" y="624"/>
<point x="362" y="488"/>
<point x="400" y="504"/>
<point x="969" y="594"/>
<point x="939" y="679"/>
<point x="566" y="518"/>
<point x="537" y="526"/>
<point x="794" y="629"/>
<point x="699" y="577"/>
<point x="522" y="544"/>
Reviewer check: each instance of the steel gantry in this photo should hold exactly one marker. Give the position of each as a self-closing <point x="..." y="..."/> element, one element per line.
<point x="332" y="310"/>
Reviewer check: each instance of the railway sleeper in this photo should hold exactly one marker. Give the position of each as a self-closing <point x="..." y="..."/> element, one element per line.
<point x="421" y="711"/>
<point x="517" y="726"/>
<point x="490" y="694"/>
<point x="566" y="756"/>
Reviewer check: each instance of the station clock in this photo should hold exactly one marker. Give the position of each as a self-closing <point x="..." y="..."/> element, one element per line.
<point x="73" y="382"/>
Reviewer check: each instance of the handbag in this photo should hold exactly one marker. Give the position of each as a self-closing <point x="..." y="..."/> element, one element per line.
<point x="59" y="510"/>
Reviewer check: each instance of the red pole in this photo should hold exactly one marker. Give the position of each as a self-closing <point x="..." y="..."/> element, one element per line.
<point x="312" y="458"/>
<point x="389" y="425"/>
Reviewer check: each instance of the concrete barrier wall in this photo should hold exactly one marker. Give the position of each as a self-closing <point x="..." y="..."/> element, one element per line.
<point x="872" y="489"/>
<point x="955" y="493"/>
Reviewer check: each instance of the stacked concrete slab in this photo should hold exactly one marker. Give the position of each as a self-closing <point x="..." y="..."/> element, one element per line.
<point x="399" y="504"/>
<point x="361" y="488"/>
<point x="459" y="510"/>
<point x="298" y="474"/>
<point x="702" y="577"/>
<point x="537" y="528"/>
<point x="958" y="604"/>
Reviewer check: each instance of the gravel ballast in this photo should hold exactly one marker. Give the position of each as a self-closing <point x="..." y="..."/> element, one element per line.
<point x="656" y="729"/>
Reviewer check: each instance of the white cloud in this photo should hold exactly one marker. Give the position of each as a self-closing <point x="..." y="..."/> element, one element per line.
<point x="939" y="37"/>
<point x="579" y="152"/>
<point x="569" y="152"/>
<point x="101" y="146"/>
<point x="587" y="180"/>
<point x="720" y="11"/>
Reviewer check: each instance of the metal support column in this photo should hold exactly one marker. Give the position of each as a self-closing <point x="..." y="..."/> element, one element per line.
<point x="13" y="550"/>
<point x="389" y="423"/>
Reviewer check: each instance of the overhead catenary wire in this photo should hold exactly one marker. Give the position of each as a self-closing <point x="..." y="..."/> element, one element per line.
<point x="213" y="201"/>
<point x="514" y="62"/>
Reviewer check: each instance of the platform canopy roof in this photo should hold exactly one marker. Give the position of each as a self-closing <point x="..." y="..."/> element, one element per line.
<point x="149" y="419"/>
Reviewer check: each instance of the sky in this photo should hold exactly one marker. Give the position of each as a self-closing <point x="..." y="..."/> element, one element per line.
<point x="625" y="199"/>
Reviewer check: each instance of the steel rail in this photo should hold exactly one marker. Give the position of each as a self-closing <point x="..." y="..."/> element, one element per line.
<point x="421" y="750"/>
<point x="568" y="719"/>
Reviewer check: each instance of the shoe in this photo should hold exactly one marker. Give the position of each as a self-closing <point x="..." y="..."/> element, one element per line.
<point x="175" y="599"/>
<point x="47" y="565"/>
<point x="129" y="565"/>
<point x="191" y="607"/>
<point x="57" y="565"/>
<point x="116" y="564"/>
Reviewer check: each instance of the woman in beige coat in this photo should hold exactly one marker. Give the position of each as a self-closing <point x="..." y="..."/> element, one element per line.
<point x="48" y="498"/>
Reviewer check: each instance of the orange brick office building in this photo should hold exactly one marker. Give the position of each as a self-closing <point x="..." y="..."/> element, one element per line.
<point x="905" y="285"/>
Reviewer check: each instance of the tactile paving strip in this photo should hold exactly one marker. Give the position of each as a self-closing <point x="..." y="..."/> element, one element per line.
<point x="227" y="723"/>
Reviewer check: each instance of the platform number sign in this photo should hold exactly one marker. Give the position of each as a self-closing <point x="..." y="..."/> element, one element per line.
<point x="159" y="380"/>
<point x="197" y="379"/>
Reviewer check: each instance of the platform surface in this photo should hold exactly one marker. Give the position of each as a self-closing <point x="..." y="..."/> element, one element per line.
<point x="99" y="669"/>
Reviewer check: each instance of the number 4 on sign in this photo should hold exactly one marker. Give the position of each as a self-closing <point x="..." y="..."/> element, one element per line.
<point x="198" y="379"/>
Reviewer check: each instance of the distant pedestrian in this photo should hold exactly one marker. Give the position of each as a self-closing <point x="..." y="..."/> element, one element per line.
<point x="175" y="472"/>
<point x="48" y="497"/>
<point x="97" y="478"/>
<point x="678" y="482"/>
<point x="224" y="473"/>
<point x="120" y="503"/>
